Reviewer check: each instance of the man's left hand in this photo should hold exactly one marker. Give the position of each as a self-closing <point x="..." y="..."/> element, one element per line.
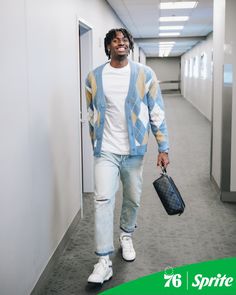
<point x="163" y="159"/>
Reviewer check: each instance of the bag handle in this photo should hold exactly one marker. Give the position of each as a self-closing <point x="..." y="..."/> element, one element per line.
<point x="163" y="169"/>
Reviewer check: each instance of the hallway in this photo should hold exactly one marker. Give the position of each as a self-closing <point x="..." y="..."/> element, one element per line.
<point x="206" y="230"/>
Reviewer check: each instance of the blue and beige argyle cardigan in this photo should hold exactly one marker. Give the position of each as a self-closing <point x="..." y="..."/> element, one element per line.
<point x="144" y="108"/>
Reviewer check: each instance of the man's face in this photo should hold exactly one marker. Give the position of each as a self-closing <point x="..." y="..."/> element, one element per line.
<point x="119" y="46"/>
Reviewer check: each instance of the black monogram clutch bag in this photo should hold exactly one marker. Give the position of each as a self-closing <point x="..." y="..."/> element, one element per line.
<point x="169" y="194"/>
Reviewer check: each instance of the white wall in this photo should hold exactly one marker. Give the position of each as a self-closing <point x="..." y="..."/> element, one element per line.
<point x="198" y="90"/>
<point x="39" y="113"/>
<point x="224" y="54"/>
<point x="135" y="53"/>
<point x="142" y="57"/>
<point x="166" y="69"/>
<point x="230" y="58"/>
<point x="218" y="59"/>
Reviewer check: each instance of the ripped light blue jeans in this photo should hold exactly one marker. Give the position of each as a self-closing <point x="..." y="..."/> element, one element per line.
<point x="109" y="170"/>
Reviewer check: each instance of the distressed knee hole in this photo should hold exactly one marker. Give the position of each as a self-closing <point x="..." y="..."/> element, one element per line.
<point x="101" y="199"/>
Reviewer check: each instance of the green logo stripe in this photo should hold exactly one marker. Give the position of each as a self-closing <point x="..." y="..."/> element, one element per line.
<point x="211" y="277"/>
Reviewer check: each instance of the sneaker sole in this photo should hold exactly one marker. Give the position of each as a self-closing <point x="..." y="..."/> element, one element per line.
<point x="124" y="258"/>
<point x="99" y="283"/>
<point x="107" y="278"/>
<point x="128" y="260"/>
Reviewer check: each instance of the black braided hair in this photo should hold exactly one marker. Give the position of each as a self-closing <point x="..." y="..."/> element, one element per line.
<point x="112" y="34"/>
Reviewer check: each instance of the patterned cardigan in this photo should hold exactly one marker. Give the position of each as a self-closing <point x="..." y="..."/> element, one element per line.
<point x="144" y="108"/>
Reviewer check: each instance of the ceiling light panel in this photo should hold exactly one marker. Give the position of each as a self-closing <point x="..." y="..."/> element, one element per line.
<point x="170" y="34"/>
<point x="170" y="28"/>
<point x="164" y="52"/>
<point x="173" y="18"/>
<point x="166" y="46"/>
<point x="178" y="5"/>
<point x="167" y="42"/>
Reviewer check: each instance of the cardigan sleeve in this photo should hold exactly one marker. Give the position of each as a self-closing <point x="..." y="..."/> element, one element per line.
<point x="90" y="108"/>
<point x="157" y="114"/>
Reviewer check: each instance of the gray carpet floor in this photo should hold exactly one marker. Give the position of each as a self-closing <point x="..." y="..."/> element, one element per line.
<point x="206" y="230"/>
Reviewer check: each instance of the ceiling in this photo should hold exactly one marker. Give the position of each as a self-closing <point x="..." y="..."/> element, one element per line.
<point x="141" y="18"/>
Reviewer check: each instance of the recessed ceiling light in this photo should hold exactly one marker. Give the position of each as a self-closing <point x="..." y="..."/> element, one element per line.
<point x="169" y="28"/>
<point x="170" y="34"/>
<point x="165" y="49"/>
<point x="164" y="52"/>
<point x="173" y="18"/>
<point x="178" y="5"/>
<point x="166" y="46"/>
<point x="167" y="42"/>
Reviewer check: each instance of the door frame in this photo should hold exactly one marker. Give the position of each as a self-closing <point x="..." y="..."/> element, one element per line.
<point x="85" y="64"/>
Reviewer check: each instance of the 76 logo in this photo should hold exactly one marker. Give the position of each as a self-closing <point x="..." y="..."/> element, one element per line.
<point x="173" y="280"/>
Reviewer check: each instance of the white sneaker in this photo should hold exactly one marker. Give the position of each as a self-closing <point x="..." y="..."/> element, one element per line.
<point x="128" y="252"/>
<point x="102" y="271"/>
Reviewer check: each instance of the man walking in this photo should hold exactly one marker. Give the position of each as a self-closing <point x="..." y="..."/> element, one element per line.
<point x="124" y="102"/>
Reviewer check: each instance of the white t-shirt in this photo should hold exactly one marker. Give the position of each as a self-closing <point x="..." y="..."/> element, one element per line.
<point x="115" y="85"/>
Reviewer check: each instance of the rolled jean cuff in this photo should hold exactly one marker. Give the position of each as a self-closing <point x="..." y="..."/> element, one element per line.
<point x="104" y="253"/>
<point x="129" y="231"/>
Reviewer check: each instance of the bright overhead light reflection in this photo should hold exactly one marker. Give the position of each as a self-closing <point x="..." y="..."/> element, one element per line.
<point x="170" y="34"/>
<point x="173" y="18"/>
<point x="166" y="42"/>
<point x="178" y="5"/>
<point x="169" y="28"/>
<point x="164" y="52"/>
<point x="165" y="48"/>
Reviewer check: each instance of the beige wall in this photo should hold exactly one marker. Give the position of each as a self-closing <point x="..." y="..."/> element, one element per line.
<point x="166" y="69"/>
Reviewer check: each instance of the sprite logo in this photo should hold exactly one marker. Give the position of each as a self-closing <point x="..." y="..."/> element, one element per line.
<point x="218" y="281"/>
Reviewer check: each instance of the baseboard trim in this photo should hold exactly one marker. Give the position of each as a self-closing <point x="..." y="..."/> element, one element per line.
<point x="228" y="197"/>
<point x="215" y="183"/>
<point x="224" y="196"/>
<point x="40" y="285"/>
